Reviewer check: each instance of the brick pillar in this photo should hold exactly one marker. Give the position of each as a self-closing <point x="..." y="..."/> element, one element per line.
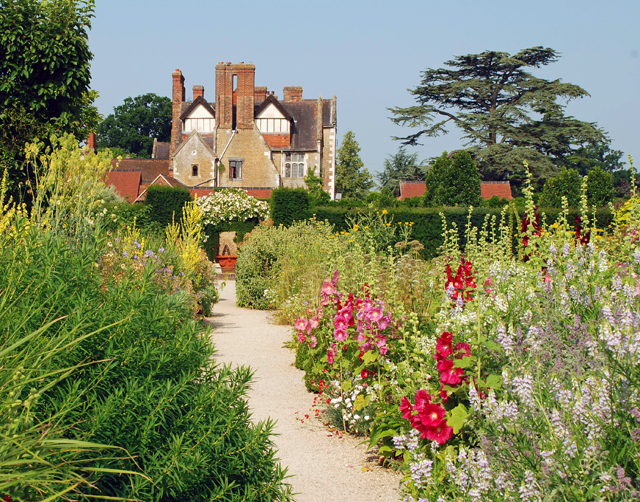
<point x="224" y="95"/>
<point x="177" y="98"/>
<point x="246" y="97"/>
<point x="198" y="92"/>
<point x="292" y="93"/>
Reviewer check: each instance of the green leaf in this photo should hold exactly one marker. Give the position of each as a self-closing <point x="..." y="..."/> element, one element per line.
<point x="381" y="433"/>
<point x="494" y="382"/>
<point x="464" y="362"/>
<point x="457" y="417"/>
<point x="369" y="357"/>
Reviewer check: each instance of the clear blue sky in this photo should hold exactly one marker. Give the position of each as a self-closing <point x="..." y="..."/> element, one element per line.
<point x="368" y="53"/>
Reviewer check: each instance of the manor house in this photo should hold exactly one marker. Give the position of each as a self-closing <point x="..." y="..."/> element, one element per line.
<point x="246" y="137"/>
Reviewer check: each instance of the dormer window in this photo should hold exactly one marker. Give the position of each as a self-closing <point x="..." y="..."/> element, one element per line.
<point x="198" y="117"/>
<point x="272" y="118"/>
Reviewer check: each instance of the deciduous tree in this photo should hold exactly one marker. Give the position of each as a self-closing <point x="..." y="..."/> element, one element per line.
<point x="453" y="181"/>
<point x="133" y="125"/>
<point x="505" y="113"/>
<point x="44" y="77"/>
<point x="352" y="179"/>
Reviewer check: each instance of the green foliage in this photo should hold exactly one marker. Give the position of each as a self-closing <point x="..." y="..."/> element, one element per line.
<point x="598" y="154"/>
<point x="289" y="205"/>
<point x="400" y="167"/>
<point x="453" y="181"/>
<point x="317" y="195"/>
<point x="382" y="199"/>
<point x="495" y="201"/>
<point x="353" y="181"/>
<point x="133" y="125"/>
<point x="567" y="184"/>
<point x="600" y="188"/>
<point x="166" y="203"/>
<point x="44" y="78"/>
<point x="509" y="115"/>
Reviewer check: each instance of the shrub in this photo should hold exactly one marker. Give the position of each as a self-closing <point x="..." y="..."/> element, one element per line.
<point x="567" y="184"/>
<point x="166" y="203"/>
<point x="289" y="205"/>
<point x="453" y="181"/>
<point x="600" y="187"/>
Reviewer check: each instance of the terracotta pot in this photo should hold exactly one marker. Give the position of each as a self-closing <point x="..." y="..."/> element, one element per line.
<point x="227" y="263"/>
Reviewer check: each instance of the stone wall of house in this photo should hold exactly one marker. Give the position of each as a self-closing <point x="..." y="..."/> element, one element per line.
<point x="258" y="170"/>
<point x="329" y="160"/>
<point x="193" y="152"/>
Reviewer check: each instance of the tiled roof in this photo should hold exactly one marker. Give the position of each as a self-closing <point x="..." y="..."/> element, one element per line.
<point x="487" y="189"/>
<point x="411" y="189"/>
<point x="159" y="180"/>
<point x="162" y="150"/>
<point x="304" y="135"/>
<point x="149" y="169"/>
<point x="126" y="183"/>
<point x="500" y="188"/>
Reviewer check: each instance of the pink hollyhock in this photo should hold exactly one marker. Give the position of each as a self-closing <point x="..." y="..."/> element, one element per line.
<point x="340" y="322"/>
<point x="334" y="278"/>
<point x="313" y="342"/>
<point x="327" y="288"/>
<point x="331" y="353"/>
<point x="375" y="314"/>
<point x="381" y="340"/>
<point x="340" y="334"/>
<point x="320" y="312"/>
<point x="314" y="322"/>
<point x="301" y="337"/>
<point x="383" y="350"/>
<point x="300" y="324"/>
<point x="462" y="350"/>
<point x="383" y="322"/>
<point x="441" y="433"/>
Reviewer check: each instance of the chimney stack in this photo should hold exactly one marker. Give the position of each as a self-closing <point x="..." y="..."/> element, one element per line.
<point x="292" y="93"/>
<point x="198" y="92"/>
<point x="92" y="142"/>
<point x="260" y="94"/>
<point x="177" y="98"/>
<point x="242" y="115"/>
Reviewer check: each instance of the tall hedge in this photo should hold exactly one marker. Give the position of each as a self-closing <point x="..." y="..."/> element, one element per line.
<point x="289" y="205"/>
<point x="165" y="203"/>
<point x="427" y="227"/>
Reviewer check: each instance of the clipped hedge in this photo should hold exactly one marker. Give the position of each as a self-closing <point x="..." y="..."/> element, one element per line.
<point x="427" y="228"/>
<point x="212" y="232"/>
<point x="289" y="205"/>
<point x="166" y="203"/>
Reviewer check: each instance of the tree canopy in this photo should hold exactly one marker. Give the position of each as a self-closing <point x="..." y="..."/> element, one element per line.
<point x="133" y="125"/>
<point x="400" y="167"/>
<point x="353" y="181"/>
<point x="453" y="181"/>
<point x="44" y="77"/>
<point x="506" y="114"/>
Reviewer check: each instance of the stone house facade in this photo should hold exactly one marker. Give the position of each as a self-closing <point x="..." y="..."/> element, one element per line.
<point x="247" y="137"/>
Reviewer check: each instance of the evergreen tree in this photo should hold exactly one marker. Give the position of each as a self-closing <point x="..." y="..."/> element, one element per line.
<point x="400" y="167"/>
<point x="504" y="112"/>
<point x="353" y="181"/>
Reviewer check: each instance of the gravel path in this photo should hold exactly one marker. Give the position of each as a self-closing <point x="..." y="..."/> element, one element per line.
<point x="325" y="466"/>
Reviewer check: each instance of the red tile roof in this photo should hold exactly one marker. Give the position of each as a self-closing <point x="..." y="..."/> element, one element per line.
<point x="126" y="183"/>
<point x="411" y="189"/>
<point x="276" y="140"/>
<point x="487" y="189"/>
<point x="500" y="188"/>
<point x="150" y="169"/>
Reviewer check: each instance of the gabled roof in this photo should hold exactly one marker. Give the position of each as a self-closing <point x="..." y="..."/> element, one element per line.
<point x="492" y="188"/>
<point x="149" y="169"/>
<point x="125" y="183"/>
<point x="200" y="138"/>
<point x="196" y="102"/>
<point x="160" y="180"/>
<point x="487" y="189"/>
<point x="271" y="100"/>
<point x="161" y="150"/>
<point x="304" y="133"/>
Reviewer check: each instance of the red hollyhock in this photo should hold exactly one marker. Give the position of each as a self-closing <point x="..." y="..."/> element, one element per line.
<point x="441" y="433"/>
<point x="462" y="350"/>
<point x="448" y="374"/>
<point x="430" y="416"/>
<point x="405" y="408"/>
<point x="422" y="399"/>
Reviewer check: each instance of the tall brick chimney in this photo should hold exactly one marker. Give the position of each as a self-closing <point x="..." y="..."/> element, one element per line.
<point x="245" y="75"/>
<point x="259" y="94"/>
<point x="198" y="92"/>
<point x="292" y="93"/>
<point x="92" y="142"/>
<point x="177" y="98"/>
